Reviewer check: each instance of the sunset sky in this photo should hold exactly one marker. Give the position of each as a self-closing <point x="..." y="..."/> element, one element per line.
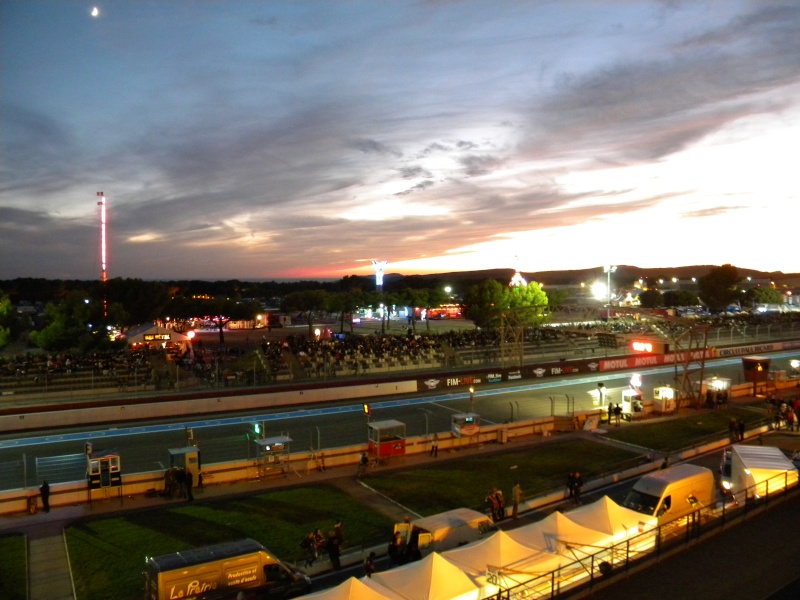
<point x="265" y="139"/>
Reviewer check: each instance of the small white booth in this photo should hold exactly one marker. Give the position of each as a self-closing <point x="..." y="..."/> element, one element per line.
<point x="664" y="399"/>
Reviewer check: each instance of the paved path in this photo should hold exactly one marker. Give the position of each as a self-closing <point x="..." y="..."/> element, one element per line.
<point x="48" y="569"/>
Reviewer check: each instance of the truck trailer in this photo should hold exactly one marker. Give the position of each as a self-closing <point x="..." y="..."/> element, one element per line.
<point x="220" y="571"/>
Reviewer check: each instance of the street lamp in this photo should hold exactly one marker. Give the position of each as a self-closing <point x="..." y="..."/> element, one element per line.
<point x="609" y="269"/>
<point x="471" y="399"/>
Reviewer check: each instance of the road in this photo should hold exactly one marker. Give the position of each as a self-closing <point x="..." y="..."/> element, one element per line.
<point x="58" y="456"/>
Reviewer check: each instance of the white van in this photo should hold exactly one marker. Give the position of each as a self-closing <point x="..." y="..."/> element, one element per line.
<point x="673" y="493"/>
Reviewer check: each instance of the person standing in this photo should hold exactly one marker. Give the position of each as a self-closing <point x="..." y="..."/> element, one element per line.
<point x="577" y="485"/>
<point x="435" y="446"/>
<point x="369" y="565"/>
<point x="741" y="427"/>
<point x="491" y="498"/>
<point x="188" y="481"/>
<point x="617" y="414"/>
<point x="363" y="463"/>
<point x="334" y="550"/>
<point x="571" y="486"/>
<point x="309" y="548"/>
<point x="393" y="550"/>
<point x="516" y="498"/>
<point x="501" y="504"/>
<point x="338" y="530"/>
<point x="44" y="490"/>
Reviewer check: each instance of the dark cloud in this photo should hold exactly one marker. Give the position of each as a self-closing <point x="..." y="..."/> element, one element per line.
<point x="434" y="148"/>
<point x="641" y="110"/>
<point x="422" y="185"/>
<point x="479" y="165"/>
<point x="413" y="172"/>
<point x="373" y="146"/>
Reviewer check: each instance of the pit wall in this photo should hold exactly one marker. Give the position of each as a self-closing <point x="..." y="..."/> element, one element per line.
<point x="195" y="406"/>
<point x="293" y="466"/>
<point x="16" y="501"/>
<point x="297" y="465"/>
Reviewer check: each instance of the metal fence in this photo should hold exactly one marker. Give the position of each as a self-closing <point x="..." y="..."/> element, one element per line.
<point x="601" y="567"/>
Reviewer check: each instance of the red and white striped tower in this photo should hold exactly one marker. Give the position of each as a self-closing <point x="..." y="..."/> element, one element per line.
<point x="103" y="247"/>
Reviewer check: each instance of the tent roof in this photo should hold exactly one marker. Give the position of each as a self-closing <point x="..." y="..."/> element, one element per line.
<point x="500" y="550"/>
<point x="552" y="532"/>
<point x="763" y="457"/>
<point x="432" y="578"/>
<point x="607" y="516"/>
<point x="354" y="589"/>
<point x="135" y="335"/>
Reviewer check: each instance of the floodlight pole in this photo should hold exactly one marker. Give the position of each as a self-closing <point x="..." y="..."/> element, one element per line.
<point x="609" y="270"/>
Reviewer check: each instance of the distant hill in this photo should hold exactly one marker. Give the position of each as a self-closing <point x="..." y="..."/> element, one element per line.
<point x="624" y="273"/>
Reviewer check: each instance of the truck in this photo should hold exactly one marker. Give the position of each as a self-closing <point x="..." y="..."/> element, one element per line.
<point x="759" y="470"/>
<point x="673" y="493"/>
<point x="220" y="571"/>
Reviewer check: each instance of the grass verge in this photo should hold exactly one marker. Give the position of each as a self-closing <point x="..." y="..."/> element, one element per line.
<point x="13" y="570"/>
<point x="466" y="482"/>
<point x="684" y="432"/>
<point x="108" y="554"/>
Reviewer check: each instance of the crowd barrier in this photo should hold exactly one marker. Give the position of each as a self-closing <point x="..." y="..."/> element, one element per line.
<point x="295" y="465"/>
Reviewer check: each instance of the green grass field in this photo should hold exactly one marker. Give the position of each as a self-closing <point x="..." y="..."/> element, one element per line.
<point x="13" y="571"/>
<point x="466" y="482"/>
<point x="683" y="432"/>
<point x="108" y="554"/>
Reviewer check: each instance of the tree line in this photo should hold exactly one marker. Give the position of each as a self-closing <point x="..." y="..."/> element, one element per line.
<point x="80" y="314"/>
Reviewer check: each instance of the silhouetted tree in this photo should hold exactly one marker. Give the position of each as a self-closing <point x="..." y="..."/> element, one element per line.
<point x="651" y="299"/>
<point x="680" y="298"/>
<point x="718" y="287"/>
<point x="308" y="303"/>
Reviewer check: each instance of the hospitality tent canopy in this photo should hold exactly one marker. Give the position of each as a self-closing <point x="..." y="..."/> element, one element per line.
<point x="155" y="336"/>
<point x="355" y="589"/>
<point x="556" y="531"/>
<point x="607" y="516"/>
<point x="432" y="578"/>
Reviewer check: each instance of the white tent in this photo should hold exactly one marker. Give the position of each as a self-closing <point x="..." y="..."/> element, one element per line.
<point x="355" y="589"/>
<point x="155" y="335"/>
<point x="555" y="532"/>
<point x="499" y="550"/>
<point x="607" y="516"/>
<point x="432" y="578"/>
<point x="501" y="562"/>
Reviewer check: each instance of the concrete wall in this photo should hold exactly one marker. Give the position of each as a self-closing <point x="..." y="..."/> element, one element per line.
<point x="295" y="466"/>
<point x="193" y="407"/>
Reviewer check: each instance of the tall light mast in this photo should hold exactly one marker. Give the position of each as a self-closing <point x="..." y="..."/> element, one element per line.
<point x="103" y="248"/>
<point x="102" y="204"/>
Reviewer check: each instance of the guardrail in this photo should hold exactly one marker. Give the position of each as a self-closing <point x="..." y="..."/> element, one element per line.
<point x="602" y="568"/>
<point x="293" y="464"/>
